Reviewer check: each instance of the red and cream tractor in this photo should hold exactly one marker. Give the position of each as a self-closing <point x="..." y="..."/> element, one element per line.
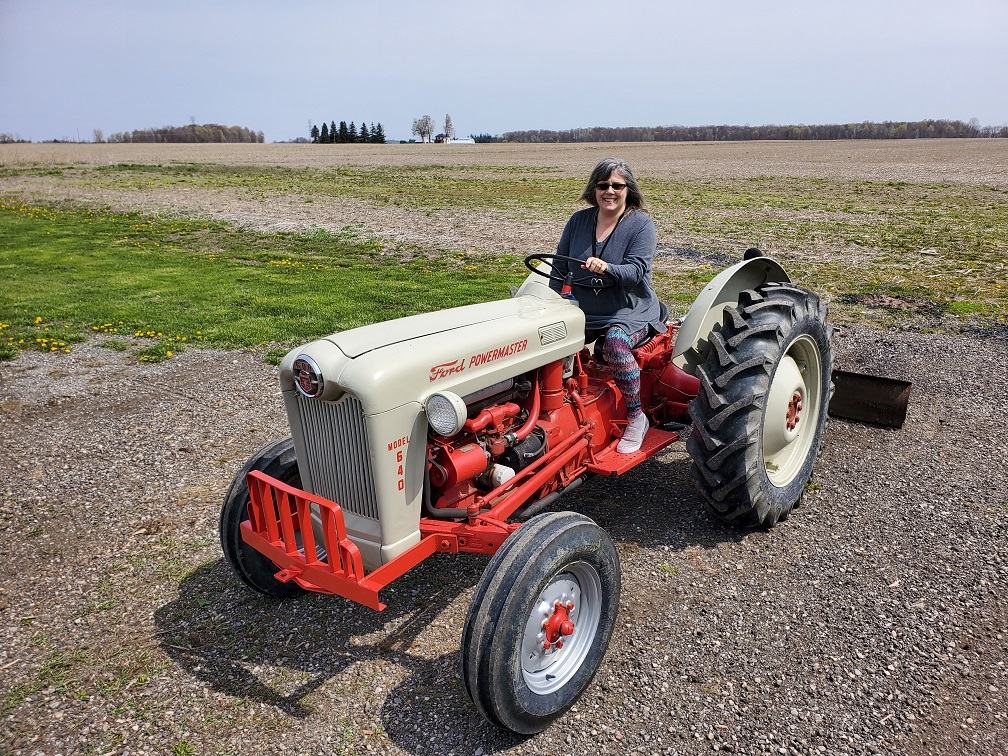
<point x="459" y="431"/>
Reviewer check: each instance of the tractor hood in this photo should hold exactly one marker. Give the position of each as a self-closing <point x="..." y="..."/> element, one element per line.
<point x="358" y="341"/>
<point x="463" y="350"/>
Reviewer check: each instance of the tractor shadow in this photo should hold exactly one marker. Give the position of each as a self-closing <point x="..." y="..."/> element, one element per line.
<point x="278" y="652"/>
<point x="654" y="505"/>
<point x="395" y="670"/>
<point x="399" y="668"/>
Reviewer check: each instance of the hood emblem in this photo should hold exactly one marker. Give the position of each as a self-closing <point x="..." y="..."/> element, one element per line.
<point x="307" y="376"/>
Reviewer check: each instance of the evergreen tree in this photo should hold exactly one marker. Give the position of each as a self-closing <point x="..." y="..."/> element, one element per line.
<point x="352" y="132"/>
<point x="314" y="134"/>
<point x="364" y="135"/>
<point x="378" y="134"/>
<point x="324" y="136"/>
<point x="344" y="134"/>
<point x="332" y="131"/>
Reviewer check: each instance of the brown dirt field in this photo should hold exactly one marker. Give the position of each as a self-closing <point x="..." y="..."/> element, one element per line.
<point x="975" y="162"/>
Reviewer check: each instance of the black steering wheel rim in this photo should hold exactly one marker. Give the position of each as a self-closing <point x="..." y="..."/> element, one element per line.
<point x="592" y="281"/>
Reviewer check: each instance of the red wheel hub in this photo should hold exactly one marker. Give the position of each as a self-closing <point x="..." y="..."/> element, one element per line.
<point x="559" y="625"/>
<point x="794" y="411"/>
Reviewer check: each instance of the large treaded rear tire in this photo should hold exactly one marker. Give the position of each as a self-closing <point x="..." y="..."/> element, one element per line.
<point x="759" y="418"/>
<point x="559" y="566"/>
<point x="277" y="460"/>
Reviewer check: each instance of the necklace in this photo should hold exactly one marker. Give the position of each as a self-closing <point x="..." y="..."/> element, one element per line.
<point x="605" y="244"/>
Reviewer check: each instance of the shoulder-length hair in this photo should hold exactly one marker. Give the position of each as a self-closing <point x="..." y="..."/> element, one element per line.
<point x="602" y="172"/>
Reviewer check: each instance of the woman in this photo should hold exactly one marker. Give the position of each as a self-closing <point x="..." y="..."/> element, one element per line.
<point x="616" y="239"/>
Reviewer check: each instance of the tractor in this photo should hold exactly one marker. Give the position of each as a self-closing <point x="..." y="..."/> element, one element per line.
<point x="459" y="430"/>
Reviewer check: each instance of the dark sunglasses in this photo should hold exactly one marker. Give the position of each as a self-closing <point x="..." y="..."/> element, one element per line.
<point x="604" y="186"/>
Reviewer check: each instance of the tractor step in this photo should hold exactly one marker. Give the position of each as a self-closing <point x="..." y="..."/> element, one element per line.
<point x="610" y="462"/>
<point x="870" y="398"/>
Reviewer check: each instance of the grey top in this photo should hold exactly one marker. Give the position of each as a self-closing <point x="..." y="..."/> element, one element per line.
<point x="632" y="303"/>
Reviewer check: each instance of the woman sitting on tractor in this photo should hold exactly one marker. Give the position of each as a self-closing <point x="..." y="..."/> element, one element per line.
<point x="616" y="239"/>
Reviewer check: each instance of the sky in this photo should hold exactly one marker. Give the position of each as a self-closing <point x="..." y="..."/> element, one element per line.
<point x="68" y="68"/>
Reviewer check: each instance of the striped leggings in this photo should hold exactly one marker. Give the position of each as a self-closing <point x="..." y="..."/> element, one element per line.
<point x="617" y="355"/>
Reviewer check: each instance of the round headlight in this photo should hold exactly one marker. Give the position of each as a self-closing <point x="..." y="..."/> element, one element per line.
<point x="446" y="413"/>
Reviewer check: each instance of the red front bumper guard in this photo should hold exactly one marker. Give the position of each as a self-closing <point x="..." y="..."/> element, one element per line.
<point x="276" y="511"/>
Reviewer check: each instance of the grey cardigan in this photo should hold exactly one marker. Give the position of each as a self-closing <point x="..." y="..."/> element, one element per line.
<point x="632" y="303"/>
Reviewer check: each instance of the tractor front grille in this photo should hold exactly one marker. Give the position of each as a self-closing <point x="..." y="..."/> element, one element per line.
<point x="335" y="437"/>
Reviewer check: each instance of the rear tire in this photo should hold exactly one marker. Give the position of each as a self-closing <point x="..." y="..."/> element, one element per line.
<point x="257" y="572"/>
<point x="759" y="418"/>
<point x="557" y="578"/>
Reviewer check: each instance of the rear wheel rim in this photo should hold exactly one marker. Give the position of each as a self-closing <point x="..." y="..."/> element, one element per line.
<point x="574" y="595"/>
<point x="792" y="409"/>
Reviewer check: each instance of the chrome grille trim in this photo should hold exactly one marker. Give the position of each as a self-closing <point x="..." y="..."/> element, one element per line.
<point x="335" y="438"/>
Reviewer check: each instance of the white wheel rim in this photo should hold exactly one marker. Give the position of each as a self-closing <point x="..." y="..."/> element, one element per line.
<point x="792" y="409"/>
<point x="547" y="665"/>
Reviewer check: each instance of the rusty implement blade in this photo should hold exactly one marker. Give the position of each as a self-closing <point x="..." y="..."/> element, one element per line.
<point x="870" y="398"/>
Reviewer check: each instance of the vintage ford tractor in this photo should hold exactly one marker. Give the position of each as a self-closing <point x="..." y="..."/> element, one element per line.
<point x="457" y="431"/>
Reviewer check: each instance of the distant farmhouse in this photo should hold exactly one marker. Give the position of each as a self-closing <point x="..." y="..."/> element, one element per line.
<point x="442" y="139"/>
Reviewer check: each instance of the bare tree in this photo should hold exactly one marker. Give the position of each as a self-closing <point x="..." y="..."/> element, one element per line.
<point x="449" y="130"/>
<point x="99" y="136"/>
<point x="424" y="128"/>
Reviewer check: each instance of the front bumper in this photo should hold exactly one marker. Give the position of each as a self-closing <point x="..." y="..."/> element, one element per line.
<point x="280" y="528"/>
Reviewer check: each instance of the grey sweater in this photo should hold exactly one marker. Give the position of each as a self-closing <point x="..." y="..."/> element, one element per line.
<point x="632" y="302"/>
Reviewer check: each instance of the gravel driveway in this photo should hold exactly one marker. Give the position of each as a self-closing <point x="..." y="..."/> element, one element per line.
<point x="874" y="620"/>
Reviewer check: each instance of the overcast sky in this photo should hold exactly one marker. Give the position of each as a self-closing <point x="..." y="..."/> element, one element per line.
<point x="67" y="68"/>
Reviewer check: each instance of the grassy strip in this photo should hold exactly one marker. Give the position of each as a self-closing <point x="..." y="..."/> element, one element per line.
<point x="966" y="223"/>
<point x="881" y="251"/>
<point x="943" y="243"/>
<point x="172" y="282"/>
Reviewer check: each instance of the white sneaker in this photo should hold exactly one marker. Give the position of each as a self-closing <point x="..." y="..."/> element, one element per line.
<point x="633" y="436"/>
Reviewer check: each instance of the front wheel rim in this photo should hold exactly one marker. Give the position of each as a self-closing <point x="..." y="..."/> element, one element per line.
<point x="551" y="656"/>
<point x="792" y="410"/>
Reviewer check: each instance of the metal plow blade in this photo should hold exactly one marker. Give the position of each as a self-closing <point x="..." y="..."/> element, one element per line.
<point x="870" y="398"/>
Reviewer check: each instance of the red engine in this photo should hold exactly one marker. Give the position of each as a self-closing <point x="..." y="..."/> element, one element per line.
<point x="533" y="437"/>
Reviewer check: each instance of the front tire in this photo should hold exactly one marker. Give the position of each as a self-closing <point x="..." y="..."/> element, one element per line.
<point x="759" y="418"/>
<point x="540" y="622"/>
<point x="252" y="568"/>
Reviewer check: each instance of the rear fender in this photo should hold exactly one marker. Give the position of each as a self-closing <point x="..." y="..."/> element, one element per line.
<point x="706" y="312"/>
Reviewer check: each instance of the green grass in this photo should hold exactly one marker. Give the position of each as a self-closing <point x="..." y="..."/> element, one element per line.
<point x="881" y="251"/>
<point x="169" y="283"/>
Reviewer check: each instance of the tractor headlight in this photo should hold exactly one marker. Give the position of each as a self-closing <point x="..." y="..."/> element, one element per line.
<point x="446" y="413"/>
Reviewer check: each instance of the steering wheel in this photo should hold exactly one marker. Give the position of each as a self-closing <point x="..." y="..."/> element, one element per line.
<point x="591" y="280"/>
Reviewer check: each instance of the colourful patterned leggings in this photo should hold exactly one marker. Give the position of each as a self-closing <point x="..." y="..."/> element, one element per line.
<point x="616" y="352"/>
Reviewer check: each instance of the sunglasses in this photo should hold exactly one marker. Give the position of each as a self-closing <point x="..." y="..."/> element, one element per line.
<point x="603" y="186"/>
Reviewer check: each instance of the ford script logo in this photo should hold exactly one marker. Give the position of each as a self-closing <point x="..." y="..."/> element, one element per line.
<point x="307" y="376"/>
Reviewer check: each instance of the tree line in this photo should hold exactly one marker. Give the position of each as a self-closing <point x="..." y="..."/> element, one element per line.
<point x="208" y="132"/>
<point x="937" y="128"/>
<point x="348" y="134"/>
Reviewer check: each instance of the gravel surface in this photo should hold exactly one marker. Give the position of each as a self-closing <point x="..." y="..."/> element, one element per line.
<point x="873" y="620"/>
